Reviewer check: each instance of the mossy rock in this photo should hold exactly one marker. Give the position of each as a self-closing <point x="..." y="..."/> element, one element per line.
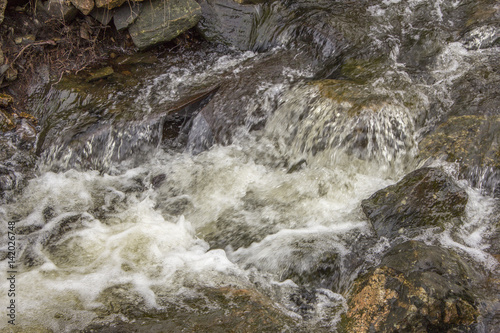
<point x="416" y="288"/>
<point x="354" y="97"/>
<point x="424" y="198"/>
<point x="362" y="70"/>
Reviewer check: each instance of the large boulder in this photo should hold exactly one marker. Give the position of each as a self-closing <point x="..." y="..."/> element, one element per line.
<point x="426" y="197"/>
<point x="161" y="21"/>
<point x="474" y="143"/>
<point x="416" y="288"/>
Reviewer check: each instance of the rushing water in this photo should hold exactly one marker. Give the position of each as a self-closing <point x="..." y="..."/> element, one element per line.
<point x="119" y="203"/>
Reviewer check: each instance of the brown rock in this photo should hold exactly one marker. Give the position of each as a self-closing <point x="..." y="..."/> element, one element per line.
<point x="85" y="6"/>
<point x="416" y="288"/>
<point x="109" y="4"/>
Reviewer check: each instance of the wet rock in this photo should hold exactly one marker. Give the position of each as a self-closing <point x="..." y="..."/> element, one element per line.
<point x="482" y="37"/>
<point x="157" y="180"/>
<point x="424" y="198"/>
<point x="352" y="98"/>
<point x="59" y="9"/>
<point x="101" y="73"/>
<point x="85" y="6"/>
<point x="124" y="16"/>
<point x="153" y="26"/>
<point x="473" y="143"/>
<point x="477" y="92"/>
<point x="416" y="288"/>
<point x="137" y="59"/>
<point x="228" y="22"/>
<point x="7" y="179"/>
<point x="345" y="120"/>
<point x="225" y="309"/>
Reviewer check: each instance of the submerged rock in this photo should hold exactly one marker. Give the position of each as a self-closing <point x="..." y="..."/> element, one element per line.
<point x="416" y="288"/>
<point x="161" y="21"/>
<point x="101" y="73"/>
<point x="224" y="309"/>
<point x="426" y="197"/>
<point x="473" y="143"/>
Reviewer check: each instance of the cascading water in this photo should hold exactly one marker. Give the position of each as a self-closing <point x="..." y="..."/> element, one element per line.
<point x="124" y="223"/>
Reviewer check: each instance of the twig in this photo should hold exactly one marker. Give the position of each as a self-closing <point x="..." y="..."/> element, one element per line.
<point x="48" y="42"/>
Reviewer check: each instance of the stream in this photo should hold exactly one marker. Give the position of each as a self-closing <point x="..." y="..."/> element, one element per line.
<point x="214" y="171"/>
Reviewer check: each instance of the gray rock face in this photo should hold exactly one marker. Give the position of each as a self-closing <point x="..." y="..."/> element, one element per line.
<point x="60" y="10"/>
<point x="227" y="22"/>
<point x="426" y="197"/>
<point x="126" y="15"/>
<point x="161" y="21"/>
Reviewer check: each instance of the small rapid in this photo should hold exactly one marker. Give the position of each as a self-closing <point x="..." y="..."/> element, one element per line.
<point x="219" y="171"/>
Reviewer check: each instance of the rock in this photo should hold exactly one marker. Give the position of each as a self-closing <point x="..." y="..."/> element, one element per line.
<point x="6" y="121"/>
<point x="11" y="74"/>
<point x="3" y="5"/>
<point x="154" y="26"/>
<point x="477" y="91"/>
<point x="5" y="100"/>
<point x="7" y="179"/>
<point x="424" y="198"/>
<point x="227" y="22"/>
<point x="25" y="132"/>
<point x="25" y="40"/>
<point x="102" y="15"/>
<point x="85" y="6"/>
<point x="416" y="288"/>
<point x="251" y="2"/>
<point x="59" y="9"/>
<point x="109" y="4"/>
<point x="144" y="58"/>
<point x="101" y="73"/>
<point x="474" y="143"/>
<point x="224" y="309"/>
<point x="124" y="16"/>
